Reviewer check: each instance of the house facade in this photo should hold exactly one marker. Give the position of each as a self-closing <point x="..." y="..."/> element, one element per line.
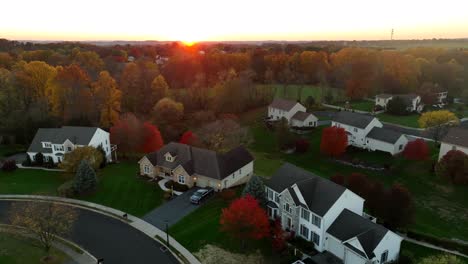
<point x="54" y="143"/>
<point x="456" y="139"/>
<point x="413" y="101"/>
<point x="329" y="216"/>
<point x="294" y="112"/>
<point x="194" y="166"/>
<point x="367" y="132"/>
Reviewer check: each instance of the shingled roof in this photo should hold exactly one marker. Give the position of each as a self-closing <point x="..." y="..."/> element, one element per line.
<point x="350" y="225"/>
<point x="283" y="104"/>
<point x="385" y="135"/>
<point x="77" y="135"/>
<point x="353" y="119"/>
<point x="301" y="116"/>
<point x="319" y="194"/>
<point x="457" y="136"/>
<point x="201" y="161"/>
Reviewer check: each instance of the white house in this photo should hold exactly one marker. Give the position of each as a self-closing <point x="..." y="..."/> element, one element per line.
<point x="329" y="216"/>
<point x="456" y="139"/>
<point x="413" y="101"/>
<point x="292" y="111"/>
<point x="53" y="143"/>
<point x="441" y="97"/>
<point x="367" y="132"/>
<point x="194" y="166"/>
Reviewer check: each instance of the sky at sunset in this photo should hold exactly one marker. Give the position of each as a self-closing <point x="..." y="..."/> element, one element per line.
<point x="189" y="20"/>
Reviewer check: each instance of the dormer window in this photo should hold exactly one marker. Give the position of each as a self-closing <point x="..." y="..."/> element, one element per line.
<point x="170" y="157"/>
<point x="46" y="145"/>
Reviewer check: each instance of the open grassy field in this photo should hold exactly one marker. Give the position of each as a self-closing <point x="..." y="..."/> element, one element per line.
<point x="408" y="120"/>
<point x="118" y="187"/>
<point x="295" y="92"/>
<point x="417" y="253"/>
<point x="7" y="150"/>
<point x="19" y="250"/>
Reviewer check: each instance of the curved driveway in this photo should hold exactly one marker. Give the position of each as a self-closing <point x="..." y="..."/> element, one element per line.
<point x="109" y="238"/>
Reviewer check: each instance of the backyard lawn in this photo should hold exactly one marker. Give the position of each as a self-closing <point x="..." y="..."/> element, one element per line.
<point x="19" y="250"/>
<point x="118" y="187"/>
<point x="362" y="105"/>
<point x="417" y="253"/>
<point x="408" y="120"/>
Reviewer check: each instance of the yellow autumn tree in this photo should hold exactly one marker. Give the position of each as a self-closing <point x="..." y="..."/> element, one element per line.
<point x="108" y="98"/>
<point x="159" y="87"/>
<point x="437" y="122"/>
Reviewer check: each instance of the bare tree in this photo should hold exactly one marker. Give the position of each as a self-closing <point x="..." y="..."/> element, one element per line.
<point x="43" y="220"/>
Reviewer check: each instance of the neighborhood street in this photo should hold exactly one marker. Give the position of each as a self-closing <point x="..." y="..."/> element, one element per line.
<point x="108" y="238"/>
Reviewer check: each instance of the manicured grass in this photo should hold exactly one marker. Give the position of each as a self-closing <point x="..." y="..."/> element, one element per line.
<point x="408" y="120"/>
<point x="441" y="208"/>
<point x="417" y="253"/>
<point x="120" y="187"/>
<point x="362" y="105"/>
<point x="294" y="92"/>
<point x="19" y="250"/>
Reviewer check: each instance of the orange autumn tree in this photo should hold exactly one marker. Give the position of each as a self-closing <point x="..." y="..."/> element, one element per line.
<point x="245" y="220"/>
<point x="334" y="141"/>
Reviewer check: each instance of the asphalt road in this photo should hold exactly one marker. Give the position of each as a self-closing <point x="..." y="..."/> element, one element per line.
<point x="111" y="239"/>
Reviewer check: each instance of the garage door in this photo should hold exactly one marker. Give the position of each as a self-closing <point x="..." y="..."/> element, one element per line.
<point x="335" y="247"/>
<point x="353" y="258"/>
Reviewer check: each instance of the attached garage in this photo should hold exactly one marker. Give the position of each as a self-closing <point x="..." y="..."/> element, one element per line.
<point x="335" y="247"/>
<point x="353" y="258"/>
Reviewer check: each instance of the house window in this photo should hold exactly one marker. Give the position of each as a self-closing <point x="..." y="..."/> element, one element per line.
<point x="289" y="223"/>
<point x="287" y="208"/>
<point x="46" y="145"/>
<point x="400" y="147"/>
<point x="146" y="169"/>
<point x="69" y="149"/>
<point x="355" y="130"/>
<point x="316" y="221"/>
<point x="270" y="194"/>
<point x="384" y="257"/>
<point x="276" y="198"/>
<point x="315" y="238"/>
<point x="454" y="147"/>
<point x="181" y="179"/>
<point x="305" y="214"/>
<point x="304" y="232"/>
<point x="58" y="148"/>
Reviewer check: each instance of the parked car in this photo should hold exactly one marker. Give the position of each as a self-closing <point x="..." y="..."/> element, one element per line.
<point x="200" y="195"/>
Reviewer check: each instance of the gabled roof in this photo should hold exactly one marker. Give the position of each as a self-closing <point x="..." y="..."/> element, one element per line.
<point x="385" y="135"/>
<point x="457" y="136"/>
<point x="201" y="161"/>
<point x="319" y="194"/>
<point x="77" y="135"/>
<point x="301" y="116"/>
<point x="384" y="96"/>
<point x="349" y="225"/>
<point x="353" y="119"/>
<point x="283" y="104"/>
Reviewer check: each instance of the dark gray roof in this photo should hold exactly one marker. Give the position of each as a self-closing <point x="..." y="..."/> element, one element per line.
<point x="319" y="194"/>
<point x="283" y="104"/>
<point x="271" y="204"/>
<point x="385" y="135"/>
<point x="301" y="116"/>
<point x="457" y="136"/>
<point x="201" y="161"/>
<point x="349" y="225"/>
<point x="77" y="135"/>
<point x="384" y="96"/>
<point x="353" y="119"/>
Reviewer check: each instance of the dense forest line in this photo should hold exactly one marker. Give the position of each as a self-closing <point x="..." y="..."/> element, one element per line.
<point x="173" y="85"/>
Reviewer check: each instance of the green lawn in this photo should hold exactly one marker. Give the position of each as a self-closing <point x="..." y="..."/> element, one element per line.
<point x="362" y="105"/>
<point x="408" y="120"/>
<point x="118" y="187"/>
<point x="295" y="92"/>
<point x="417" y="253"/>
<point x="7" y="150"/>
<point x="19" y="250"/>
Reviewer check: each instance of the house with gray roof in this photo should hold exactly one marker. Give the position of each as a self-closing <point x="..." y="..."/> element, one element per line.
<point x="194" y="166"/>
<point x="328" y="215"/>
<point x="54" y="143"/>
<point x="412" y="101"/>
<point x="456" y="139"/>
<point x="367" y="132"/>
<point x="292" y="111"/>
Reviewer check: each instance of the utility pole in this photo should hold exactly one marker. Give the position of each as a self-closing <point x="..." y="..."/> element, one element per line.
<point x="391" y="34"/>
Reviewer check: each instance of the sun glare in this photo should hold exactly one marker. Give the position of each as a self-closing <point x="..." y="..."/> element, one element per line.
<point x="188" y="43"/>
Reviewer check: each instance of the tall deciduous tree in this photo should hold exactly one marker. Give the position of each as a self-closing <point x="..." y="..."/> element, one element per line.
<point x="334" y="141"/>
<point x="72" y="160"/>
<point x="153" y="140"/>
<point x="45" y="220"/>
<point x="400" y="208"/>
<point x="126" y="133"/>
<point x="107" y="97"/>
<point x="454" y="167"/>
<point x="167" y="111"/>
<point x="285" y="139"/>
<point x="159" y="87"/>
<point x="245" y="220"/>
<point x="437" y="122"/>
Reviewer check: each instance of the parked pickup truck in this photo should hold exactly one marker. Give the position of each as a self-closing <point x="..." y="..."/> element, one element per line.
<point x="200" y="195"/>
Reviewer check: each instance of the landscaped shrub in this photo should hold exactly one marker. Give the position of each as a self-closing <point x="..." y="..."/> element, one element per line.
<point x="228" y="195"/>
<point x="27" y="162"/>
<point x="9" y="165"/>
<point x="334" y="141"/>
<point x="302" y="145"/>
<point x="66" y="189"/>
<point x="72" y="160"/>
<point x="256" y="189"/>
<point x="176" y="186"/>
<point x="416" y="150"/>
<point x="85" y="178"/>
<point x="397" y="106"/>
<point x="303" y="245"/>
<point x="50" y="164"/>
<point x="167" y="195"/>
<point x="39" y="159"/>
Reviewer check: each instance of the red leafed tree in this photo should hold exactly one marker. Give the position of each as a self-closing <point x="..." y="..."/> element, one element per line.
<point x="416" y="150"/>
<point x="152" y="138"/>
<point x="334" y="141"/>
<point x="359" y="184"/>
<point x="454" y="167"/>
<point x="400" y="209"/>
<point x="278" y="241"/>
<point x="245" y="220"/>
<point x="188" y="138"/>
<point x="338" y="179"/>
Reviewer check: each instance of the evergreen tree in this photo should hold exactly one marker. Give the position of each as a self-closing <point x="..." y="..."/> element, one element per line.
<point x="85" y="179"/>
<point x="256" y="188"/>
<point x="39" y="159"/>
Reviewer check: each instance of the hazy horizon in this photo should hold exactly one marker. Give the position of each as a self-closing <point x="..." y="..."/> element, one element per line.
<point x="261" y="20"/>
